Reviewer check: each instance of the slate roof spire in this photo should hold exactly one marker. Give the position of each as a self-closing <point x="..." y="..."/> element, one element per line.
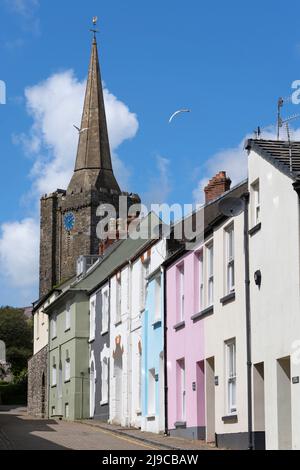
<point x="93" y="166"/>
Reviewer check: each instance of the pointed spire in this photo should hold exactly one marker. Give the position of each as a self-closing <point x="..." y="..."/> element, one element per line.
<point x="93" y="166"/>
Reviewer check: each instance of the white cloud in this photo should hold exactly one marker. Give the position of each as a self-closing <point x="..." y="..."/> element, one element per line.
<point x="19" y="252"/>
<point x="54" y="106"/>
<point x="160" y="185"/>
<point x="232" y="160"/>
<point x="27" y="10"/>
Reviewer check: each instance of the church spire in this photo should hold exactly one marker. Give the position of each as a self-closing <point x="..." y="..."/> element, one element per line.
<point x="93" y="166"/>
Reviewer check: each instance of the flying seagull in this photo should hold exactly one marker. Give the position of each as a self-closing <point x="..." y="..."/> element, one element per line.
<point x="178" y="112"/>
<point x="80" y="131"/>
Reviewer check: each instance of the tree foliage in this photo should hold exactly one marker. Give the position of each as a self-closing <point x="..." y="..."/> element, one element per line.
<point x="17" y="333"/>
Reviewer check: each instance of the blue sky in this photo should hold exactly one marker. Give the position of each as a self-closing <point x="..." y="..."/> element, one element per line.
<point x="227" y="62"/>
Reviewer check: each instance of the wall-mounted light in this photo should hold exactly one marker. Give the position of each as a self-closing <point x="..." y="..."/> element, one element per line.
<point x="257" y="278"/>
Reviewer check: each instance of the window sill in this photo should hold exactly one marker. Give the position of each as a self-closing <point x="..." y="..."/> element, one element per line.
<point x="91" y="340"/>
<point x="68" y="381"/>
<point x="150" y="418"/>
<point x="139" y="412"/>
<point x="118" y="323"/>
<point x="54" y="338"/>
<point x="53" y="386"/>
<point x="179" y="326"/>
<point x="203" y="313"/>
<point x="180" y="425"/>
<point x="230" y="419"/>
<point x="255" y="229"/>
<point x="67" y="330"/>
<point x="228" y="298"/>
<point x="104" y="403"/>
<point x="156" y="324"/>
<point x="103" y="333"/>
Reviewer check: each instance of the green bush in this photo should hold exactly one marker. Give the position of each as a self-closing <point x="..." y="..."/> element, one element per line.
<point x="13" y="394"/>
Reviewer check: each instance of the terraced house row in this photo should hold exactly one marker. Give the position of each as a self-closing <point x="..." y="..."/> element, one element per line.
<point x="195" y="337"/>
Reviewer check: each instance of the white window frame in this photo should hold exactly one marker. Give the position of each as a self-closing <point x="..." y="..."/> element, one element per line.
<point x="92" y="318"/>
<point x="67" y="369"/>
<point x="118" y="298"/>
<point x="144" y="273"/>
<point x="200" y="261"/>
<point x="54" y="376"/>
<point x="256" y="202"/>
<point x="54" y="326"/>
<point x="68" y="317"/>
<point x="104" y="380"/>
<point x="231" y="377"/>
<point x="181" y="291"/>
<point x="230" y="264"/>
<point x="158" y="299"/>
<point x="105" y="310"/>
<point x="210" y="274"/>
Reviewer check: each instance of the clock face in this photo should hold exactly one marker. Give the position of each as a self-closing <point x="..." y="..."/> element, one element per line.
<point x="69" y="221"/>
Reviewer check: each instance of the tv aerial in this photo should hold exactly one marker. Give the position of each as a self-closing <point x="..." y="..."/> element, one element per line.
<point x="280" y="103"/>
<point x="231" y="206"/>
<point x="286" y="122"/>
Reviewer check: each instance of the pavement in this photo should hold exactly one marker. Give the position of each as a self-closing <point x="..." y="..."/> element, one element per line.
<point x="18" y="431"/>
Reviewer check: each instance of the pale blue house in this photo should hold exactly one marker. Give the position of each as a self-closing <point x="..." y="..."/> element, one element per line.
<point x="153" y="371"/>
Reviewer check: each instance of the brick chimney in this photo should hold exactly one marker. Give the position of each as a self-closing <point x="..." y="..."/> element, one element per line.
<point x="217" y="186"/>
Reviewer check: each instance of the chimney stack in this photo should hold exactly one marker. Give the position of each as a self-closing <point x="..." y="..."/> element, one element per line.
<point x="217" y="186"/>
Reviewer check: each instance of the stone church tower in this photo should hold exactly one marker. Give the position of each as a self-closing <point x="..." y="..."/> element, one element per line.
<point x="68" y="218"/>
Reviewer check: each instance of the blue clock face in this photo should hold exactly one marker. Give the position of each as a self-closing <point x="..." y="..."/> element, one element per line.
<point x="69" y="221"/>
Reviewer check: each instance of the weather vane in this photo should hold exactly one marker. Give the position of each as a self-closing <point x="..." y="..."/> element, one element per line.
<point x="94" y="30"/>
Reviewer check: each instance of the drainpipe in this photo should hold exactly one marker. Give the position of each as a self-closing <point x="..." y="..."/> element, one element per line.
<point x="165" y="350"/>
<point x="248" y="319"/>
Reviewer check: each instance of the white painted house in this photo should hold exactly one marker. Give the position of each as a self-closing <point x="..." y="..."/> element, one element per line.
<point x="275" y="300"/>
<point x="128" y="289"/>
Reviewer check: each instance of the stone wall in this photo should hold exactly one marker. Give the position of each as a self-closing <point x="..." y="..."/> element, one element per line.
<point x="38" y="384"/>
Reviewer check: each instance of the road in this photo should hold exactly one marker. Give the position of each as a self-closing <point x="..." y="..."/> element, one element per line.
<point x="21" y="432"/>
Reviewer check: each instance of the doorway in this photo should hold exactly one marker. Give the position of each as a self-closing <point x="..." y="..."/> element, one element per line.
<point x="210" y="399"/>
<point x="284" y="403"/>
<point x="259" y="400"/>
<point x="43" y="397"/>
<point x="92" y="390"/>
<point x="118" y="373"/>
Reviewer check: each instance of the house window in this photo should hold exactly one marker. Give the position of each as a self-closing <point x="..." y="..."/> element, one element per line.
<point x="92" y="319"/>
<point x="182" y="390"/>
<point x="201" y="281"/>
<point x="37" y="318"/>
<point x="256" y="202"/>
<point x="139" y="404"/>
<point x="54" y="327"/>
<point x="210" y="274"/>
<point x="68" y="317"/>
<point x="157" y="314"/>
<point x="54" y="376"/>
<point x="145" y="268"/>
<point x="105" y="310"/>
<point x="118" y="298"/>
<point x="53" y="411"/>
<point x="105" y="379"/>
<point x="181" y="292"/>
<point x="230" y="277"/>
<point x="67" y="370"/>
<point x="151" y="393"/>
<point x="67" y="411"/>
<point x="231" y="376"/>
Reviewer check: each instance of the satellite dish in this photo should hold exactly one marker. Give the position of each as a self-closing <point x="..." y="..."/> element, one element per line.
<point x="231" y="206"/>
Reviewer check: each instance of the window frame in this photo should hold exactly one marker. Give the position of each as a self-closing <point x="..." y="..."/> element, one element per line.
<point x="210" y="273"/>
<point x="181" y="291"/>
<point x="256" y="212"/>
<point x="230" y="258"/>
<point x="231" y="376"/>
<point x="105" y="299"/>
<point x="118" y="298"/>
<point x="93" y="318"/>
<point x="68" y="317"/>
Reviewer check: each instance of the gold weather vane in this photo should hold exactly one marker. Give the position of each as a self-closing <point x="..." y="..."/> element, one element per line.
<point x="94" y="30"/>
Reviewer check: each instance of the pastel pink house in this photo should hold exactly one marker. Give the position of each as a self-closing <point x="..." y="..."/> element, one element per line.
<point x="185" y="347"/>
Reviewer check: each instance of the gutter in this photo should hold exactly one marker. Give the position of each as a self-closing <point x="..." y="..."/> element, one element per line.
<point x="165" y="350"/>
<point x="248" y="320"/>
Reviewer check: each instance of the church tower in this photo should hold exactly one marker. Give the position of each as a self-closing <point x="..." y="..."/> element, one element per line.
<point x="68" y="218"/>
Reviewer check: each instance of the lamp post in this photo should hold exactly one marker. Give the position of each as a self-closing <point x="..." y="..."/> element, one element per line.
<point x="232" y="207"/>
